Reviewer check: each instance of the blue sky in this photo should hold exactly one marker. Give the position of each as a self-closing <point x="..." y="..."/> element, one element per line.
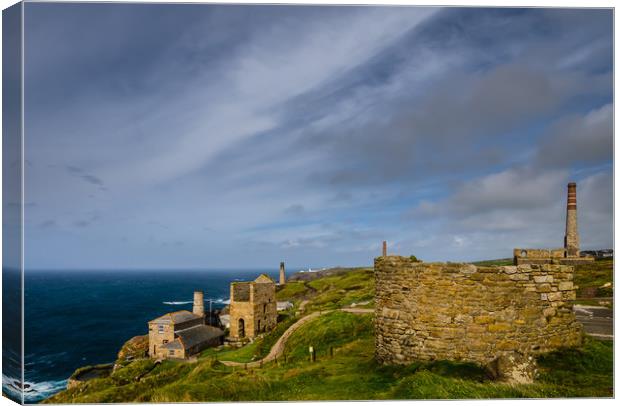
<point x="214" y="136"/>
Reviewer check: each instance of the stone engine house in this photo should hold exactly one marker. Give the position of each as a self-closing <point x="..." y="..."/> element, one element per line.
<point x="182" y="334"/>
<point x="429" y="311"/>
<point x="253" y="308"/>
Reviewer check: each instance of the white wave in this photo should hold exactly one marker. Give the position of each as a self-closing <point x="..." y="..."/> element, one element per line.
<point x="219" y="300"/>
<point x="33" y="391"/>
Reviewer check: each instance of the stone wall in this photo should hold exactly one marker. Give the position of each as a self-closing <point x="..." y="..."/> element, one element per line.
<point x="538" y="256"/>
<point x="240" y="292"/>
<point x="256" y="311"/>
<point x="159" y="336"/>
<point x="265" y="307"/>
<point x="431" y="311"/>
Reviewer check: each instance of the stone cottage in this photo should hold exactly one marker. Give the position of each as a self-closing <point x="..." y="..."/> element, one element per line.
<point x="252" y="308"/>
<point x="182" y="334"/>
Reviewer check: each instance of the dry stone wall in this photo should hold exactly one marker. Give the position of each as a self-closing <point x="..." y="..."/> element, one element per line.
<point x="429" y="311"/>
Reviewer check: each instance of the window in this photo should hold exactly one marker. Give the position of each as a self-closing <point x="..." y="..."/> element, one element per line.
<point x="160" y="329"/>
<point x="165" y="341"/>
<point x="170" y="352"/>
<point x="264" y="308"/>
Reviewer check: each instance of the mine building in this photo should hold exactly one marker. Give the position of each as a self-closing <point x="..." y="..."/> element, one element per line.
<point x="569" y="254"/>
<point x="252" y="308"/>
<point x="182" y="334"/>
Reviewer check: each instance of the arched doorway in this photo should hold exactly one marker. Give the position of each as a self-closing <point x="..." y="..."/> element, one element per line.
<point x="241" y="328"/>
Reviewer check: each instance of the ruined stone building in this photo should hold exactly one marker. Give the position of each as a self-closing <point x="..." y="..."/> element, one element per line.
<point x="570" y="254"/>
<point x="460" y="312"/>
<point x="182" y="334"/>
<point x="282" y="274"/>
<point x="252" y="307"/>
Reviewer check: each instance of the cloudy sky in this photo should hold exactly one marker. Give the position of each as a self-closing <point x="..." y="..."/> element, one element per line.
<point x="200" y="136"/>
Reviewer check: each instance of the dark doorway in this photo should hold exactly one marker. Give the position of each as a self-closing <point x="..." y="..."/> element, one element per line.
<point x="241" y="328"/>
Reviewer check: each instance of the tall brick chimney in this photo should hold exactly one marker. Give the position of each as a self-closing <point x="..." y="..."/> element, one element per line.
<point x="571" y="239"/>
<point x="282" y="274"/>
<point x="199" y="304"/>
<point x="385" y="248"/>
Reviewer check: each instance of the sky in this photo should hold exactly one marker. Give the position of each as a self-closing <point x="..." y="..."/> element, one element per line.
<point x="222" y="136"/>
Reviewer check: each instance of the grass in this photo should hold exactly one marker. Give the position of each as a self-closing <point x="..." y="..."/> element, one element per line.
<point x="495" y="262"/>
<point x="352" y="372"/>
<point x="258" y="349"/>
<point x="333" y="292"/>
<point x="293" y="291"/>
<point x="595" y="275"/>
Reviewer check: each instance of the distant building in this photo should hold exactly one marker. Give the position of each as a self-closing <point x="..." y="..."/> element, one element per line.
<point x="598" y="254"/>
<point x="568" y="255"/>
<point x="282" y="274"/>
<point x="182" y="334"/>
<point x="284" y="306"/>
<point x="252" y="308"/>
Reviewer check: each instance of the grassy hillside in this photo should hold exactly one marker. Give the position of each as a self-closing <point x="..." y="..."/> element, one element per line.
<point x="351" y="373"/>
<point x="332" y="292"/>
<point x="345" y="367"/>
<point x="594" y="277"/>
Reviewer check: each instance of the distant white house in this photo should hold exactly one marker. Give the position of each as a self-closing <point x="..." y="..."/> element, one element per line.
<point x="225" y="320"/>
<point x="284" y="305"/>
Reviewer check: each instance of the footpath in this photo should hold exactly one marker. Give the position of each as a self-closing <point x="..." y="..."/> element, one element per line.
<point x="278" y="348"/>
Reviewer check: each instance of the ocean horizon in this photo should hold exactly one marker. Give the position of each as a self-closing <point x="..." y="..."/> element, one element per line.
<point x="73" y="318"/>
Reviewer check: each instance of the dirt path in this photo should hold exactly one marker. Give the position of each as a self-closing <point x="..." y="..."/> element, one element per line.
<point x="278" y="347"/>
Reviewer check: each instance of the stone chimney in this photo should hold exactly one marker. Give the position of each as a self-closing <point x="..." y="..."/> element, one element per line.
<point x="571" y="239"/>
<point x="199" y="304"/>
<point x="385" y="248"/>
<point x="282" y="274"/>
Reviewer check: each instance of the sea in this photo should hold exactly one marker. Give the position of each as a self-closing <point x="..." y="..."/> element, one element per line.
<point x="78" y="318"/>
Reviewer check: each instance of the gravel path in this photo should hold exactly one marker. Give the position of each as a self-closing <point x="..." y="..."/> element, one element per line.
<point x="278" y="347"/>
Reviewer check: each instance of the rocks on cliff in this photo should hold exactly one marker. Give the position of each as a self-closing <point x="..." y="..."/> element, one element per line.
<point x="136" y="347"/>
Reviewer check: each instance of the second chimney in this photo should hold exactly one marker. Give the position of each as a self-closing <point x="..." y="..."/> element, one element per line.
<point x="199" y="304"/>
<point x="282" y="274"/>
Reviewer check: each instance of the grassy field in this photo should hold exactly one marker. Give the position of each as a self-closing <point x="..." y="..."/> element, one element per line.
<point x="351" y="373"/>
<point x="595" y="276"/>
<point x="345" y="367"/>
<point x="332" y="292"/>
<point x="495" y="262"/>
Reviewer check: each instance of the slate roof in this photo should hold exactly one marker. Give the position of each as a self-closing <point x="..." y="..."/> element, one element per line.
<point x="198" y="334"/>
<point x="175" y="345"/>
<point x="175" y="317"/>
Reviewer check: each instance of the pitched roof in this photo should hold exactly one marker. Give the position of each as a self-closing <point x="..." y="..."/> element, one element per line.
<point x="175" y="317"/>
<point x="262" y="278"/>
<point x="174" y="345"/>
<point x="198" y="334"/>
